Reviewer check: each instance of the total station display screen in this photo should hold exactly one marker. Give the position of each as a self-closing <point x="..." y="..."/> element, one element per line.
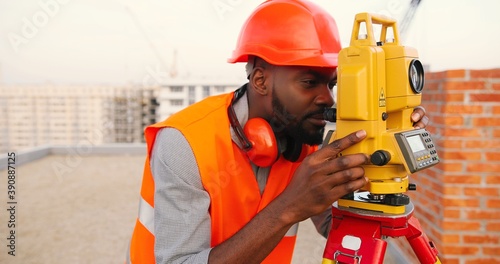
<point x="415" y="143"/>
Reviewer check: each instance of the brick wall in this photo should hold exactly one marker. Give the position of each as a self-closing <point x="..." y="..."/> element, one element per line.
<point x="458" y="201"/>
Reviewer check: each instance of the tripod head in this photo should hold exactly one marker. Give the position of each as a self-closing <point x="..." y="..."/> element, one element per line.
<point x="379" y="84"/>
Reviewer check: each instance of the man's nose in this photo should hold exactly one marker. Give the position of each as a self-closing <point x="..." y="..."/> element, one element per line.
<point x="325" y="97"/>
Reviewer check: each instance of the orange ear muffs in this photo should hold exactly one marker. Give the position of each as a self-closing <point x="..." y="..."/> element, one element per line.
<point x="265" y="149"/>
<point x="257" y="139"/>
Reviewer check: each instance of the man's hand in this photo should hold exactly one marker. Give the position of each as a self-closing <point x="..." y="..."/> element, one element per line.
<point x="418" y="117"/>
<point x="323" y="178"/>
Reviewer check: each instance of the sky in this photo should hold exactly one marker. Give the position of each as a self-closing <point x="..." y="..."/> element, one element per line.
<point x="127" y="41"/>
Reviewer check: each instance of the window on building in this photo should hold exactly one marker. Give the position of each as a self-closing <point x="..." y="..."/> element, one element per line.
<point x="191" y="95"/>
<point x="220" y="88"/>
<point x="176" y="89"/>
<point x="176" y="102"/>
<point x="206" y="90"/>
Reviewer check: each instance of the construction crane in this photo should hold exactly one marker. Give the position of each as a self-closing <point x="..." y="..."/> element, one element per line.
<point x="410" y="13"/>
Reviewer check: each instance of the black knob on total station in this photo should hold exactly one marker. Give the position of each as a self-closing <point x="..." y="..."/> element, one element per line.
<point x="412" y="187"/>
<point x="380" y="157"/>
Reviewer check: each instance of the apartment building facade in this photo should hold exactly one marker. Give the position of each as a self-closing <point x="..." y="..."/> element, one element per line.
<point x="178" y="94"/>
<point x="35" y="115"/>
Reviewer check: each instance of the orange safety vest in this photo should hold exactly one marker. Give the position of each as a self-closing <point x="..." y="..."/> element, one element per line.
<point x="226" y="174"/>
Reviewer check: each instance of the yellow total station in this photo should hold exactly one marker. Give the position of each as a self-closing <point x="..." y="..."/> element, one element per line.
<point x="379" y="84"/>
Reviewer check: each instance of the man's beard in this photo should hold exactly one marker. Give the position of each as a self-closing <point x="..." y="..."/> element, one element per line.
<point x="285" y="124"/>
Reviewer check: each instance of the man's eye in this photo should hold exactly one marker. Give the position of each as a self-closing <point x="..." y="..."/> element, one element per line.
<point x="310" y="82"/>
<point x="332" y="85"/>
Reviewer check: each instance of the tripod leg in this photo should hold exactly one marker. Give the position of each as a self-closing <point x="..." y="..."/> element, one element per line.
<point x="424" y="249"/>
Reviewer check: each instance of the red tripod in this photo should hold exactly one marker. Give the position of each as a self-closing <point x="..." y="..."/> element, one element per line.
<point x="356" y="236"/>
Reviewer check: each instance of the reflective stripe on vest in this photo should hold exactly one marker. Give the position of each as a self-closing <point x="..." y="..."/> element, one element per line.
<point x="127" y="257"/>
<point x="146" y="215"/>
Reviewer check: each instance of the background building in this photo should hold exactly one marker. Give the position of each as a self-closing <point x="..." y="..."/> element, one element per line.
<point x="178" y="94"/>
<point x="34" y="115"/>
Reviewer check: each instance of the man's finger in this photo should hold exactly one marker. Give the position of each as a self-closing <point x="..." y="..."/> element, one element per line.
<point x="331" y="150"/>
<point x="422" y="123"/>
<point x="418" y="113"/>
<point x="348" y="187"/>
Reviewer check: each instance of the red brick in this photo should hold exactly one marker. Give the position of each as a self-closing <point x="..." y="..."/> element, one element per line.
<point x="431" y="107"/>
<point x="454" y="97"/>
<point x="459" y="155"/>
<point x="493" y="203"/>
<point x="481" y="191"/>
<point x="430" y="216"/>
<point x="493" y="156"/>
<point x="445" y="74"/>
<point x="463" y="85"/>
<point x="460" y="250"/>
<point x="482" y="144"/>
<point x="483" y="167"/>
<point x="435" y="235"/>
<point x="414" y="197"/>
<point x="491" y="97"/>
<point x="450" y="166"/>
<point x="429" y="194"/>
<point x="432" y="76"/>
<point x="451" y="213"/>
<point x="461" y="225"/>
<point x="452" y="190"/>
<point x="421" y="201"/>
<point x="430" y="97"/>
<point x="496" y="108"/>
<point x="496" y="133"/>
<point x="449" y="96"/>
<point x="430" y="173"/>
<point x="455" y="73"/>
<point x="482" y="239"/>
<point x="436" y="186"/>
<point x="462" y="109"/>
<point x="451" y="143"/>
<point x="463" y="132"/>
<point x="486" y="121"/>
<point x="493" y="73"/>
<point x="495" y="86"/>
<point x="450" y="238"/>
<point x="492" y="251"/>
<point x="448" y="120"/>
<point x="463" y="179"/>
<point x="448" y="259"/>
<point x="431" y="87"/>
<point x="460" y="202"/>
<point x="493" y="179"/>
<point x="493" y="226"/>
<point x="432" y="129"/>
<point x="483" y="214"/>
<point x="484" y="260"/>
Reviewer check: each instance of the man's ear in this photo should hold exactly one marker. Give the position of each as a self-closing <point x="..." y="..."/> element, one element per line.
<point x="258" y="80"/>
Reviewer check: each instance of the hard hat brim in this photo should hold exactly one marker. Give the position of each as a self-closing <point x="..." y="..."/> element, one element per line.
<point x="325" y="60"/>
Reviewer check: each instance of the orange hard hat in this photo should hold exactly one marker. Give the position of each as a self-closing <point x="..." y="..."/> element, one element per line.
<point x="289" y="33"/>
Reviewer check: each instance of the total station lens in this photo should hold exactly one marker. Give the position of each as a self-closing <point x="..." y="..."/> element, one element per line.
<point x="416" y="76"/>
